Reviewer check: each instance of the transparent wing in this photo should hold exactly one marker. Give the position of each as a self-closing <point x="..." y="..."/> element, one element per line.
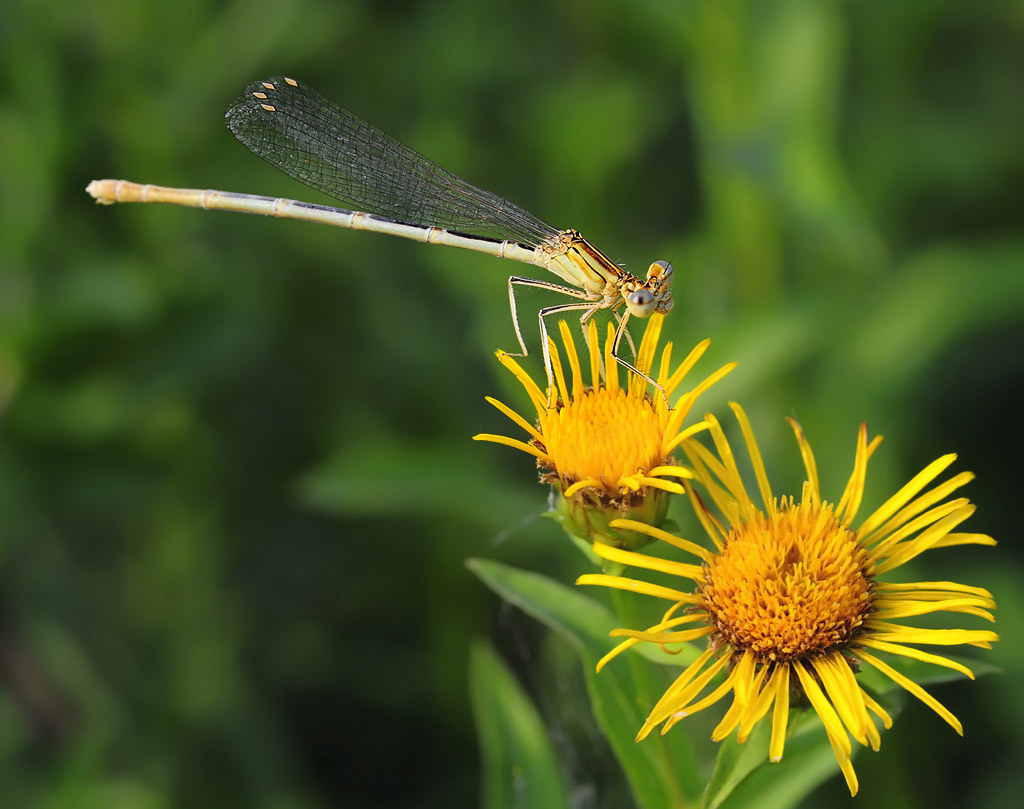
<point x="309" y="137"/>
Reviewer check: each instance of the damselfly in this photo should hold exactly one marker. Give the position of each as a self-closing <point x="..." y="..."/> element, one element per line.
<point x="394" y="189"/>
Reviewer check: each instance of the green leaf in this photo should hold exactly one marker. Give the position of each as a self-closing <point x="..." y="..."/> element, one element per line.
<point x="745" y="779"/>
<point x="357" y="480"/>
<point x="520" y="768"/>
<point x="743" y="776"/>
<point x="661" y="770"/>
<point x="807" y="762"/>
<point x="735" y="762"/>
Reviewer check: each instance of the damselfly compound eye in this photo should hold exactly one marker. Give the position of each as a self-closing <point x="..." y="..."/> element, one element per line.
<point x="640" y="302"/>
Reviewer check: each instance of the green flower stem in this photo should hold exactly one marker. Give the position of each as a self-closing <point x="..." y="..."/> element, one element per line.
<point x="648" y="686"/>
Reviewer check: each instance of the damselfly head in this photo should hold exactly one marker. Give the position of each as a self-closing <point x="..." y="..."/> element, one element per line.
<point x="662" y="270"/>
<point x="655" y="295"/>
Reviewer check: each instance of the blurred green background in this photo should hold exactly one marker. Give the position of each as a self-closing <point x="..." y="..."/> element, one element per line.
<point x="236" y="481"/>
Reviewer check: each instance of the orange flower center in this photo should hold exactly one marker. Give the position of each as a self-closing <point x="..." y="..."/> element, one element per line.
<point x="604" y="435"/>
<point x="787" y="586"/>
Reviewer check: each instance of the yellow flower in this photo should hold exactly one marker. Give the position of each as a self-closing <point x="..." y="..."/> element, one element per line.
<point x="791" y="598"/>
<point x="608" y="449"/>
